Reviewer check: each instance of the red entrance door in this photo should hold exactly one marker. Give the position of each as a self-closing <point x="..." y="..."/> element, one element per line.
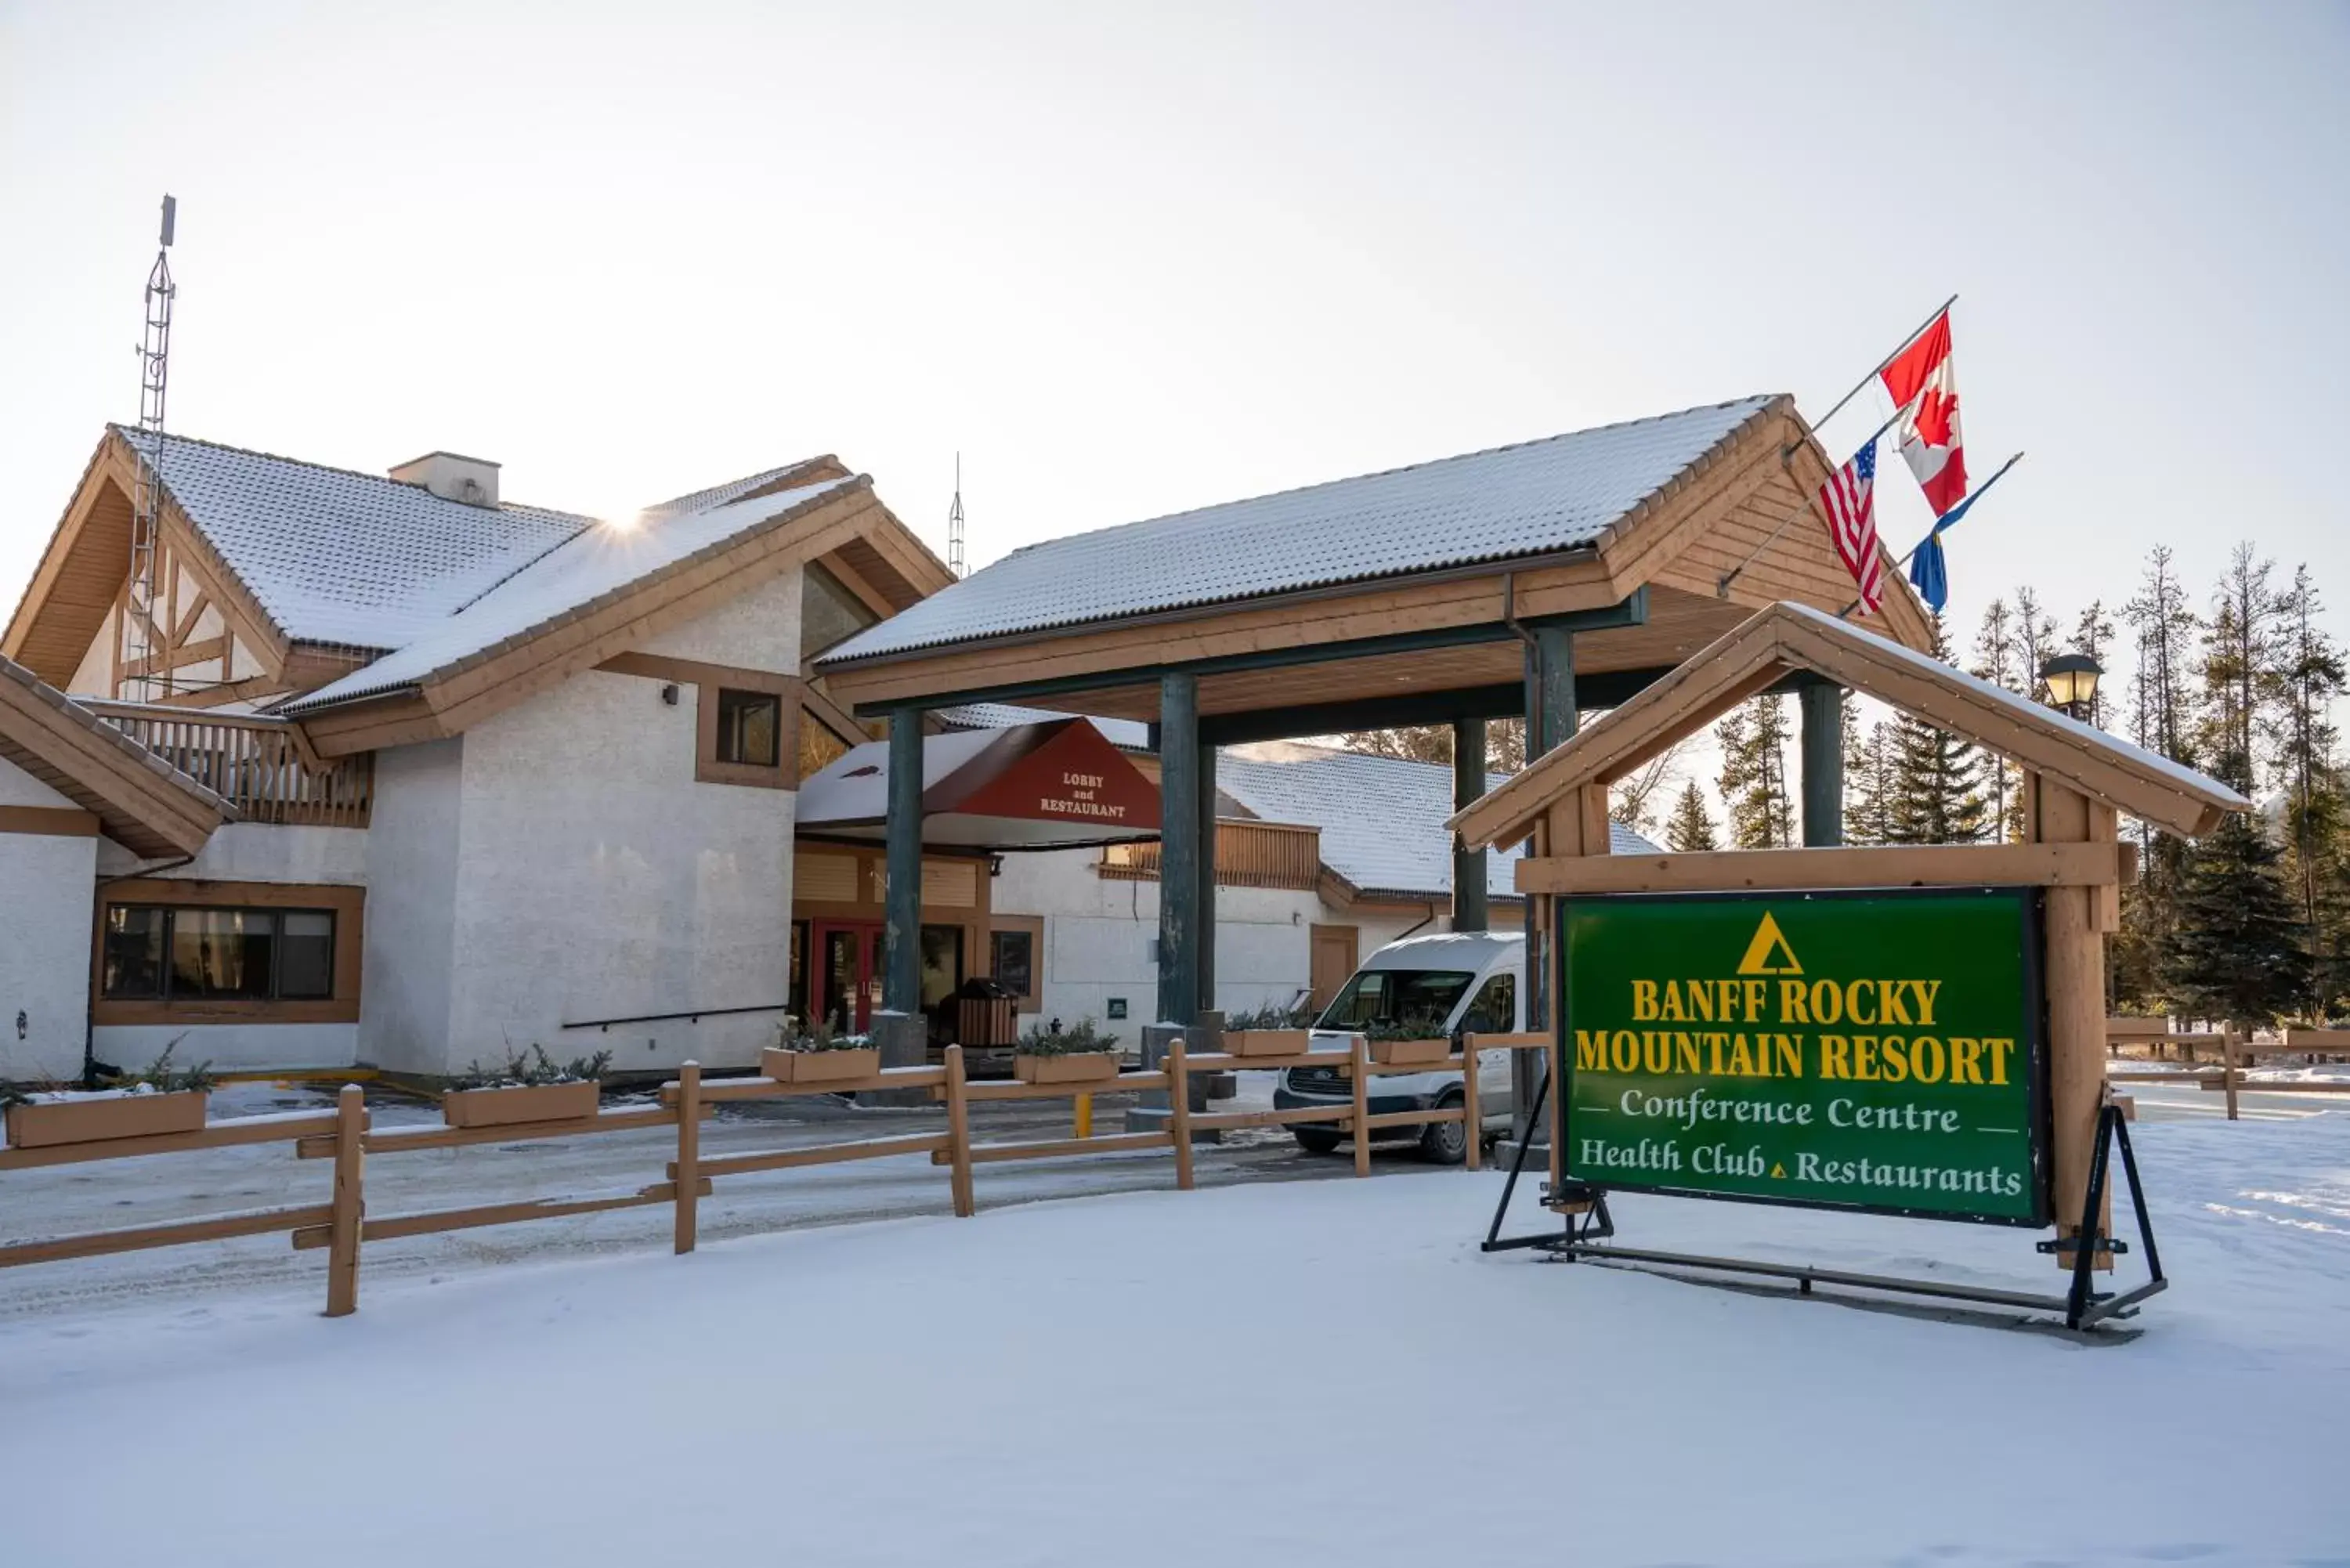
<point x="848" y="978"/>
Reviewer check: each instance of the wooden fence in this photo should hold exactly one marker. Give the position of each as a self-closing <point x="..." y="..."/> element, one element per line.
<point x="261" y="765"/>
<point x="346" y="1136"/>
<point x="2237" y="1052"/>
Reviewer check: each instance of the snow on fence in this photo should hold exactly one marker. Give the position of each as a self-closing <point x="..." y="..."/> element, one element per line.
<point x="2155" y="1036"/>
<point x="345" y="1136"/>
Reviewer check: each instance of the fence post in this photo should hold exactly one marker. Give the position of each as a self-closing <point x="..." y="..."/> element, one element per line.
<point x="959" y="1137"/>
<point x="1362" y="1060"/>
<point x="1178" y="1111"/>
<point x="689" y="1153"/>
<point x="349" y="1205"/>
<point x="1472" y="1106"/>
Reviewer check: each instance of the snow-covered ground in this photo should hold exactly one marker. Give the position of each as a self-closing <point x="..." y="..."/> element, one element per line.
<point x="1273" y="1372"/>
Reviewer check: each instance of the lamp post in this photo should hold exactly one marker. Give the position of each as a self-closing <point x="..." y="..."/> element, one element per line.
<point x="2072" y="680"/>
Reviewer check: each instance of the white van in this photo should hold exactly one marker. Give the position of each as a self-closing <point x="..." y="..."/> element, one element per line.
<point x="1451" y="981"/>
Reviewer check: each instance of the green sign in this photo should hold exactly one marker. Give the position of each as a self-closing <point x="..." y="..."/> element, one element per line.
<point x="1875" y="1050"/>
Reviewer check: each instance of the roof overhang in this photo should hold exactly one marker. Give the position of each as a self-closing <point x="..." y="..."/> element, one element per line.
<point x="1057" y="785"/>
<point x="1789" y="639"/>
<point x="140" y="802"/>
<point x="1644" y="596"/>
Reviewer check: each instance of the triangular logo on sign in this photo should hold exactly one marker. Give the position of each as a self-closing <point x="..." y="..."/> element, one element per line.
<point x="1769" y="953"/>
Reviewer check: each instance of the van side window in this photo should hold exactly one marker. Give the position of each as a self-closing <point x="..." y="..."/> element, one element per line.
<point x="1495" y="1011"/>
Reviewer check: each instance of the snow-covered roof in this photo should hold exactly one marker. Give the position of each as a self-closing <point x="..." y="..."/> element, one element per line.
<point x="590" y="565"/>
<point x="1129" y="735"/>
<point x="1534" y="498"/>
<point x="1382" y="819"/>
<point x="350" y="559"/>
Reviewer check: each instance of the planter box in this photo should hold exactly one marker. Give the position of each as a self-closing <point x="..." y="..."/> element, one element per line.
<point x="521" y="1103"/>
<point x="1077" y="1067"/>
<point x="820" y="1066"/>
<point x="1268" y="1042"/>
<point x="102" y="1118"/>
<point x="1404" y="1052"/>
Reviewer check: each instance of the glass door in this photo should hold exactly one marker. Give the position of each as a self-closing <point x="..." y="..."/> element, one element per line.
<point x="848" y="974"/>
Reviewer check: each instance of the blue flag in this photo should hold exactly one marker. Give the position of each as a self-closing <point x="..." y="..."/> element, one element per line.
<point x="1927" y="573"/>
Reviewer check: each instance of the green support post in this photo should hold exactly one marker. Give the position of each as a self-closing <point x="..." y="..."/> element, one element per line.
<point x="1468" y="913"/>
<point x="1178" y="847"/>
<point x="1206" y="907"/>
<point x="901" y="936"/>
<point x="1822" y="754"/>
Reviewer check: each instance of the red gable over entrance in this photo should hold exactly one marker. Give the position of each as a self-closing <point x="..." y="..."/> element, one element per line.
<point x="1056" y="773"/>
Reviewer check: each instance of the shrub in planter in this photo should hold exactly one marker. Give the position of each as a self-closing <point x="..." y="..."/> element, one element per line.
<point x="1052" y="1054"/>
<point x="1269" y="1031"/>
<point x="817" y="1056"/>
<point x="530" y="1086"/>
<point x="161" y="1100"/>
<point x="1408" y="1040"/>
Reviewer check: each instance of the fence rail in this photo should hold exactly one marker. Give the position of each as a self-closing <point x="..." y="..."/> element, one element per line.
<point x="348" y="1136"/>
<point x="257" y="764"/>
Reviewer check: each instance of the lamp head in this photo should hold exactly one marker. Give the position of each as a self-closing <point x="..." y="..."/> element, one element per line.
<point x="2072" y="678"/>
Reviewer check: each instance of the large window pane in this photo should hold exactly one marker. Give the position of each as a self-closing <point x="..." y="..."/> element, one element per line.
<point x="221" y="954"/>
<point x="306" y="955"/>
<point x="133" y="967"/>
<point x="942" y="962"/>
<point x="750" y="726"/>
<point x="1013" y="959"/>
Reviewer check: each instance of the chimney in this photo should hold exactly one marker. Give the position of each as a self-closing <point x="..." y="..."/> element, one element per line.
<point x="472" y="480"/>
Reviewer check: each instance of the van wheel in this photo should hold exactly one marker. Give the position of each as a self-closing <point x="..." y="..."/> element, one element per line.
<point x="1316" y="1140"/>
<point x="1445" y="1143"/>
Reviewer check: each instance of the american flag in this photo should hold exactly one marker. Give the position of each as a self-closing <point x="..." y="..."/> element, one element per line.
<point x="1848" y="501"/>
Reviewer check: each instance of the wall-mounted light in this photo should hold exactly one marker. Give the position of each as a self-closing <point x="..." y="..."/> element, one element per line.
<point x="669" y="693"/>
<point x="23" y="1024"/>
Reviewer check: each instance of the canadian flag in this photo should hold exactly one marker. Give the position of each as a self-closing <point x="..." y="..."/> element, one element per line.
<point x="1930" y="442"/>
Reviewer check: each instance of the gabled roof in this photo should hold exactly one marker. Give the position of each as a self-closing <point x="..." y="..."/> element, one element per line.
<point x="140" y="802"/>
<point x="586" y="569"/>
<point x="991" y="789"/>
<point x="348" y="559"/>
<point x="1787" y="638"/>
<point x="1382" y="819"/>
<point x="1536" y="498"/>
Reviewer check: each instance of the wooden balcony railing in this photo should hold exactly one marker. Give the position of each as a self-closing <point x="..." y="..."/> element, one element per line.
<point x="258" y="764"/>
<point x="1248" y="855"/>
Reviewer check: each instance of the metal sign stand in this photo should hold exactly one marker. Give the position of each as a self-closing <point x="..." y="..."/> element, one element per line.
<point x="2081" y="1306"/>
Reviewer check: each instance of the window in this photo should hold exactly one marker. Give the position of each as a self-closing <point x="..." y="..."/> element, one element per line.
<point x="942" y="963"/>
<point x="1015" y="956"/>
<point x="188" y="953"/>
<point x="1495" y="1011"/>
<point x="1422" y="998"/>
<point x="750" y="728"/>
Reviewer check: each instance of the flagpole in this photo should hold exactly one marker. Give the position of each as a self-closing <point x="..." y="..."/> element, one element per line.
<point x="1898" y="350"/>
<point x="1979" y="491"/>
<point x="1721" y="588"/>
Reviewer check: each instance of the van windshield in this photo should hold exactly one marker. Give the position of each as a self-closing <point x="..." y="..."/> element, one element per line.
<point x="1420" y="997"/>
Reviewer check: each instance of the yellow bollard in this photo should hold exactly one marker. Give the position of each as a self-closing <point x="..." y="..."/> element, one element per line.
<point x="1085" y="1116"/>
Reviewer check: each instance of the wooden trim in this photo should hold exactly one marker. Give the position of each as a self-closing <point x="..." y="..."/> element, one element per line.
<point x="1936" y="865"/>
<point x="139" y="804"/>
<point x="49" y="821"/>
<point x="400" y="721"/>
<point x="708" y="769"/>
<point x="349" y="908"/>
<point x="693" y="672"/>
<point x="849" y="577"/>
<point x="1779" y="639"/>
<point x="1030" y="1000"/>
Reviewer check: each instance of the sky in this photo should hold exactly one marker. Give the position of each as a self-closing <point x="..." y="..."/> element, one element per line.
<point x="1130" y="261"/>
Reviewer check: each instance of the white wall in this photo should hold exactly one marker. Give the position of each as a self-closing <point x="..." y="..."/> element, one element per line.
<point x="597" y="878"/>
<point x="1098" y="931"/>
<point x="95" y="675"/>
<point x="261" y="852"/>
<point x="44" y="915"/>
<point x="229" y="1047"/>
<point x="411" y="905"/>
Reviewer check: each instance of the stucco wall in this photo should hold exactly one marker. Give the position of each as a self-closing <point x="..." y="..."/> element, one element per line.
<point x="45" y="903"/>
<point x="413" y="845"/>
<point x="229" y="1047"/>
<point x="262" y="852"/>
<point x="1098" y="931"/>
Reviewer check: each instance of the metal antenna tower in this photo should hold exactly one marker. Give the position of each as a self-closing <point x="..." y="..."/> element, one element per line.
<point x="140" y="637"/>
<point x="955" y="524"/>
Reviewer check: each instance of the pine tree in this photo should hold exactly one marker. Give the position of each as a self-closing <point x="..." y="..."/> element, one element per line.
<point x="2093" y="634"/>
<point x="1753" y="778"/>
<point x="2312" y="675"/>
<point x="1869" y="785"/>
<point x="2163" y="718"/>
<point x="2238" y="951"/>
<point x="1691" y="827"/>
<point x="1505" y="743"/>
<point x="1995" y="661"/>
<point x="1937" y="790"/>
